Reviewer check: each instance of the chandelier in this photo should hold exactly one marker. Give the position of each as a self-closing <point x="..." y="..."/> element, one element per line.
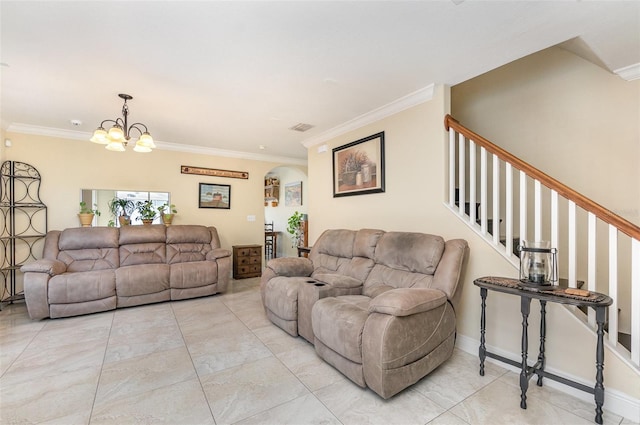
<point x="119" y="135"/>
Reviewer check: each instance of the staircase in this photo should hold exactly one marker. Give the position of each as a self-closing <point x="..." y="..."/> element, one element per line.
<point x="514" y="201"/>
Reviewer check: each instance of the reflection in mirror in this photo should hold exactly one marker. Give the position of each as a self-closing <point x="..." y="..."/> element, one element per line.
<point x="102" y="198"/>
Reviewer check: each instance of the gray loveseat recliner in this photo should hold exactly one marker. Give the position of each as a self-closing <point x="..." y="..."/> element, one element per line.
<point x="92" y="269"/>
<point x="378" y="306"/>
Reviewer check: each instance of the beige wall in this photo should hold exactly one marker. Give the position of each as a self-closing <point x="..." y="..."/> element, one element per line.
<point x="413" y="201"/>
<point x="67" y="166"/>
<point x="568" y="117"/>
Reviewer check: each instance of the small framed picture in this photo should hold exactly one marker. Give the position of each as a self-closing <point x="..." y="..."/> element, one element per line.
<point x="293" y="194"/>
<point x="214" y="196"/>
<point x="358" y="167"/>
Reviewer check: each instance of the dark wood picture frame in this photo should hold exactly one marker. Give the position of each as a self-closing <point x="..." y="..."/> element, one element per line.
<point x="358" y="167"/>
<point x="213" y="195"/>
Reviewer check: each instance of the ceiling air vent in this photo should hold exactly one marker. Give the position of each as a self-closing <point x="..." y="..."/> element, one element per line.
<point x="301" y="127"/>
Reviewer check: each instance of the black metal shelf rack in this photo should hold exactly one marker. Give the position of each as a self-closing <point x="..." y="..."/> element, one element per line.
<point x="24" y="223"/>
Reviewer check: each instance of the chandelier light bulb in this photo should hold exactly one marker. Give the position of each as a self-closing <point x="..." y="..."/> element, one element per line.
<point x="116" y="133"/>
<point x="100" y="136"/>
<point x="140" y="147"/>
<point x="146" y="140"/>
<point x="115" y="146"/>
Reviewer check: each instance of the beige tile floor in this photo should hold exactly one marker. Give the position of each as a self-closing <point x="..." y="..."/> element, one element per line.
<point x="218" y="360"/>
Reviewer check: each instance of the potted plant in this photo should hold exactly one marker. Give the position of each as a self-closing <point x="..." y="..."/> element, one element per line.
<point x="86" y="214"/>
<point x="167" y="217"/>
<point x="294" y="228"/>
<point x="147" y="211"/>
<point x="122" y="210"/>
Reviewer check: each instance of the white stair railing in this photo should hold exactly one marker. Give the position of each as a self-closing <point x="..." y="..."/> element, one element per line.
<point x="519" y="202"/>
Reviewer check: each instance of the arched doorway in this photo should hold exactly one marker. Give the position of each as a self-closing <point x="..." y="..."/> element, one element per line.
<point x="278" y="209"/>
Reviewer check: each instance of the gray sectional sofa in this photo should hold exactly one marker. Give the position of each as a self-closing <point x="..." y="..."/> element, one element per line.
<point x="87" y="270"/>
<point x="378" y="306"/>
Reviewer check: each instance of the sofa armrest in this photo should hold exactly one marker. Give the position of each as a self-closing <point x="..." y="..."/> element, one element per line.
<point x="218" y="253"/>
<point x="407" y="301"/>
<point x="338" y="280"/>
<point x="291" y="266"/>
<point x="447" y="277"/>
<point x="51" y="267"/>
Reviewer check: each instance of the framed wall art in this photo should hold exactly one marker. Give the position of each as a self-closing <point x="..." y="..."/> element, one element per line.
<point x="293" y="194"/>
<point x="358" y="167"/>
<point x="214" y="196"/>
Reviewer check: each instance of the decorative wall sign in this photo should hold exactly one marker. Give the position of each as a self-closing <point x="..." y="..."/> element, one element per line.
<point x="214" y="196"/>
<point x="186" y="169"/>
<point x="358" y="167"/>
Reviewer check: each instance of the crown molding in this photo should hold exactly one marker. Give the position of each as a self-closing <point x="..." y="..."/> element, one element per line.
<point x="177" y="147"/>
<point x="629" y="73"/>
<point x="412" y="99"/>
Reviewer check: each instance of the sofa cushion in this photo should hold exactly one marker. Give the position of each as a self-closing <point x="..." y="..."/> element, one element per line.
<point x="404" y="260"/>
<point x="281" y="296"/>
<point x="193" y="274"/>
<point x="142" y="234"/>
<point x="337" y="280"/>
<point x="412" y="252"/>
<point x="407" y="301"/>
<point x="142" y="279"/>
<point x="345" y="252"/>
<point x="365" y="242"/>
<point x="83" y="260"/>
<point x="142" y="245"/>
<point x="143" y="253"/>
<point x="89" y="248"/>
<point x="188" y="243"/>
<point x="81" y="286"/>
<point x="188" y="234"/>
<point x="383" y="278"/>
<point x="338" y="324"/>
<point x="334" y="243"/>
<point x="88" y="238"/>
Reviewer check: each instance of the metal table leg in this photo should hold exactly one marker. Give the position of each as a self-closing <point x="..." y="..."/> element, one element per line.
<point x="599" y="388"/>
<point x="543" y="333"/>
<point x="483" y="350"/>
<point x="525" y="304"/>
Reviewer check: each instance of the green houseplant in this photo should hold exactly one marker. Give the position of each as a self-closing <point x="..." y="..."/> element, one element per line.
<point x="121" y="209"/>
<point x="86" y="214"/>
<point x="294" y="228"/>
<point x="147" y="211"/>
<point x="167" y="217"/>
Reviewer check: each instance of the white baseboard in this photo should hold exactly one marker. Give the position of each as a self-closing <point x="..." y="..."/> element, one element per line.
<point x="615" y="401"/>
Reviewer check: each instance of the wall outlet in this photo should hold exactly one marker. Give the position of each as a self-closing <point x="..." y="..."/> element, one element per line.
<point x="251" y="218"/>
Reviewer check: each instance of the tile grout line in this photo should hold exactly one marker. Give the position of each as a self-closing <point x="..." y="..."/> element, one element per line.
<point x="195" y="370"/>
<point x="104" y="357"/>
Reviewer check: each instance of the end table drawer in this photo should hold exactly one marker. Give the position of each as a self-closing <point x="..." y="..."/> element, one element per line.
<point x="249" y="269"/>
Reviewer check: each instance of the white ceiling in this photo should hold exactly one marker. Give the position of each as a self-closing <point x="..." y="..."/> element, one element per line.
<point x="237" y="75"/>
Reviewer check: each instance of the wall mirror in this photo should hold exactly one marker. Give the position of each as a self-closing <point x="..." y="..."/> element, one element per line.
<point x="102" y="198"/>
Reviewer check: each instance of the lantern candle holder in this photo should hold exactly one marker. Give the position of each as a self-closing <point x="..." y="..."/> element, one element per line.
<point x="538" y="263"/>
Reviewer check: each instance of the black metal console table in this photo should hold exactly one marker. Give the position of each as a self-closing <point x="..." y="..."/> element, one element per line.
<point x="599" y="302"/>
